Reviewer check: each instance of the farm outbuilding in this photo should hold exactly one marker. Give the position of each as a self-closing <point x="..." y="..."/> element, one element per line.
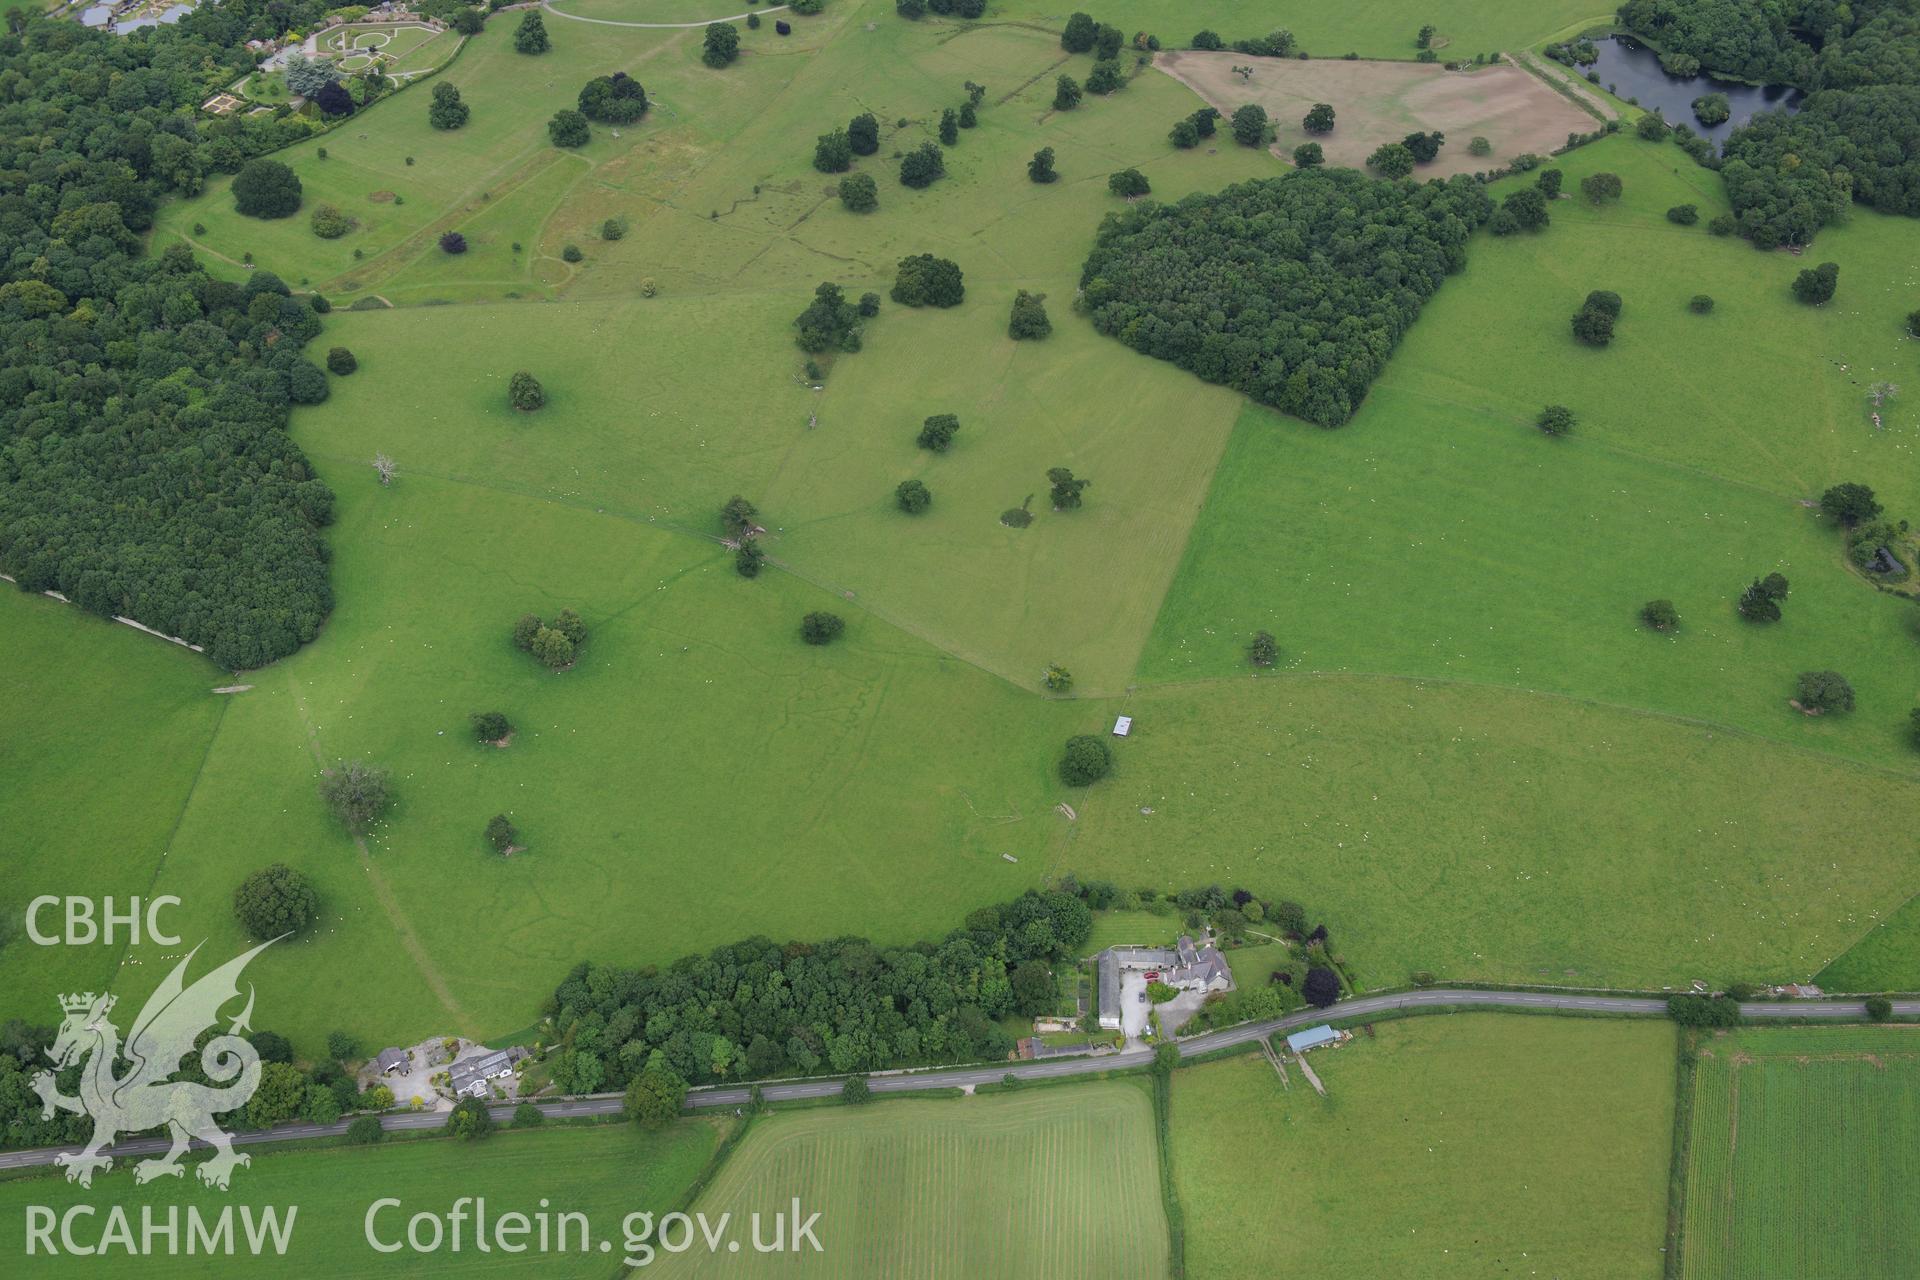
<point x="1312" y="1038"/>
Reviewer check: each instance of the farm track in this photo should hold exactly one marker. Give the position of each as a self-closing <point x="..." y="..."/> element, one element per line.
<point x="1439" y="1000"/>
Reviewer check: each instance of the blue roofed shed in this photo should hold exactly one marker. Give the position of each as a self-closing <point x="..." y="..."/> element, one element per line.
<point x="1311" y="1038"/>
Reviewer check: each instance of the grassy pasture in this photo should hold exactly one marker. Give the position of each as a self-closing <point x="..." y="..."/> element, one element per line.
<point x="1805" y="1156"/>
<point x="1468" y="1145"/>
<point x="605" y="1172"/>
<point x="699" y="775"/>
<point x="1054" y="1182"/>
<point x="1885" y="959"/>
<point x="102" y="735"/>
<point x="1440" y="534"/>
<point x="455" y="179"/>
<point x="1480" y="832"/>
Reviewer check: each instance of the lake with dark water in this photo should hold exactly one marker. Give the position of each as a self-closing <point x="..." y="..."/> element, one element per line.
<point x="1631" y="70"/>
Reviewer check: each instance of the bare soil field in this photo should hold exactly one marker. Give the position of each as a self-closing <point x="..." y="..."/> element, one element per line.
<point x="1376" y="102"/>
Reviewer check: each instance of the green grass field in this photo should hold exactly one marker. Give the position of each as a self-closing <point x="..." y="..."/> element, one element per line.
<point x="1439" y="534"/>
<point x="1436" y="769"/>
<point x="605" y="1172"/>
<point x="102" y="733"/>
<point x="1805" y="1154"/>
<point x="1466" y="1145"/>
<point x="1060" y="1182"/>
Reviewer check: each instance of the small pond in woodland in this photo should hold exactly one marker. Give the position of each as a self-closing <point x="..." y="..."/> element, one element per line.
<point x="1631" y="70"/>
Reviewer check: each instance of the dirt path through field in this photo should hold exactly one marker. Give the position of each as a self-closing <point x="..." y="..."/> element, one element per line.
<point x="1379" y="102"/>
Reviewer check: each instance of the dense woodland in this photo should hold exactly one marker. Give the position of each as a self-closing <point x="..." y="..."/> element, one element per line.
<point x="1857" y="138"/>
<point x="1816" y="44"/>
<point x="1789" y="175"/>
<point x="1293" y="290"/>
<point x="145" y="468"/>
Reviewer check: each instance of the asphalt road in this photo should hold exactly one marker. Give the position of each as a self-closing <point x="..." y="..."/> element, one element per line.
<point x="950" y="1077"/>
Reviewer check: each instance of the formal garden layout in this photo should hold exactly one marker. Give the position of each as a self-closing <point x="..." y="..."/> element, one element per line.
<point x="713" y="566"/>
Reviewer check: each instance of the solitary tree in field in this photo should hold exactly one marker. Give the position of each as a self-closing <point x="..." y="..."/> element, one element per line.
<point x="1593" y="326"/>
<point x="531" y="35"/>
<point x="1086" y="760"/>
<point x="863" y="134"/>
<point x="568" y="128"/>
<point x="1815" y="285"/>
<point x="1760" y="602"/>
<point x="749" y="558"/>
<point x="525" y="393"/>
<point x="949" y="128"/>
<point x="1029" y="318"/>
<point x="1057" y="678"/>
<point x="922" y="166"/>
<point x="554" y="649"/>
<point x="1424" y="146"/>
<point x="1066" y="93"/>
<point x="1066" y="489"/>
<point x="859" y="193"/>
<point x="273" y="901"/>
<point x="491" y="726"/>
<point x="384" y="468"/>
<point x="937" y="432"/>
<point x="1250" y="125"/>
<point x="1555" y="420"/>
<point x="1128" y="183"/>
<point x="1850" y="503"/>
<point x="1601" y="187"/>
<point x="737" y="515"/>
<point x="1040" y="168"/>
<point x="1308" y="155"/>
<point x="1319" y="119"/>
<point x="502" y="834"/>
<point x="1105" y="77"/>
<point x="1264" y="651"/>
<point x="912" y="497"/>
<point x="1549" y="182"/>
<point x="453" y="242"/>
<point x="821" y="627"/>
<point x="1822" y="691"/>
<point x="446" y="111"/>
<point x="833" y="152"/>
<point x="722" y="44"/>
<point x="356" y="793"/>
<point x="1660" y="615"/>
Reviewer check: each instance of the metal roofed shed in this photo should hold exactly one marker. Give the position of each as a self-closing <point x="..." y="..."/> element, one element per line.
<point x="1311" y="1038"/>
<point x="1123" y="726"/>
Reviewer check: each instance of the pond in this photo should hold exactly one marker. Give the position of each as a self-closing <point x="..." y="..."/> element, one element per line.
<point x="1631" y="70"/>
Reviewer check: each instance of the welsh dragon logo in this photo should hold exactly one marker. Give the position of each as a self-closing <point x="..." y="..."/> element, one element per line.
<point x="145" y="1096"/>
